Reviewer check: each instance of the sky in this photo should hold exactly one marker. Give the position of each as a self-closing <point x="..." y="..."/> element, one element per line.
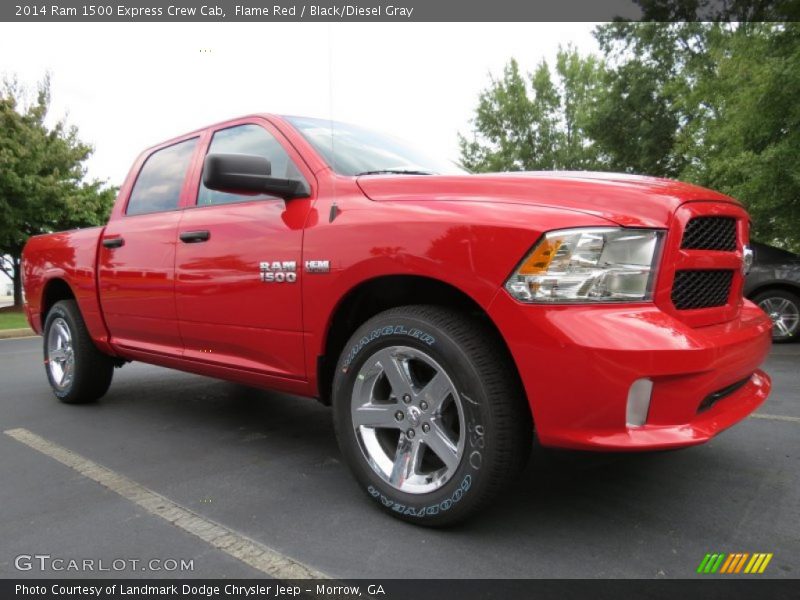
<point x="127" y="86"/>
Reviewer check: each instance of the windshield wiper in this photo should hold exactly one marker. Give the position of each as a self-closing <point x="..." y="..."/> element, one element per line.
<point x="394" y="172"/>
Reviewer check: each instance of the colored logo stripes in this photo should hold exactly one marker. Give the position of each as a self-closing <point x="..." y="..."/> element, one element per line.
<point x="737" y="562"/>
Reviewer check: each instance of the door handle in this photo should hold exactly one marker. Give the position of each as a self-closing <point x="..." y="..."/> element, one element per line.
<point x="114" y="242"/>
<point x="194" y="237"/>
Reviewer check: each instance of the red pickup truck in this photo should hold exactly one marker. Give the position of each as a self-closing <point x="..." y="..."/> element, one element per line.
<point x="445" y="316"/>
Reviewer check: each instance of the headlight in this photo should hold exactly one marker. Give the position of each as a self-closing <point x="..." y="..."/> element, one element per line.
<point x="589" y="265"/>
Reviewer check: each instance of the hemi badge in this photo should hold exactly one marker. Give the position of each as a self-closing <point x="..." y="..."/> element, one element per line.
<point x="318" y="266"/>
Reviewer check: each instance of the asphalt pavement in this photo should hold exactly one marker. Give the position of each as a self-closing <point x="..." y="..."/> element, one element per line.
<point x="266" y="466"/>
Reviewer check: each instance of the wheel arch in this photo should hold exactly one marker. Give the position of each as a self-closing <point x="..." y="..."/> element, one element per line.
<point x="774" y="285"/>
<point x="373" y="296"/>
<point x="55" y="290"/>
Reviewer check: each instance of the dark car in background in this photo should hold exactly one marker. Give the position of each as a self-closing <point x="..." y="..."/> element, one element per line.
<point x="774" y="284"/>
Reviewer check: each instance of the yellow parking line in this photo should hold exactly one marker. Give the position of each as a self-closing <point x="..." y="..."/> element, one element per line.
<point x="248" y="551"/>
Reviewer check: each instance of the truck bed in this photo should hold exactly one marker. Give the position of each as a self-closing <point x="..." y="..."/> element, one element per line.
<point x="71" y="256"/>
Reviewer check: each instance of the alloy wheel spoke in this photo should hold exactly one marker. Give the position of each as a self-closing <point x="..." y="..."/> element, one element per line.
<point x="58" y="355"/>
<point x="63" y="333"/>
<point x="406" y="460"/>
<point x="376" y="416"/>
<point x="436" y="392"/>
<point x="781" y="325"/>
<point x="395" y="372"/>
<point x="69" y="367"/>
<point x="443" y="447"/>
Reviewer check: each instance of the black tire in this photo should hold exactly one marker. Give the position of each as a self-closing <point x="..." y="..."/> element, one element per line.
<point x="777" y="298"/>
<point x="92" y="370"/>
<point x="498" y="428"/>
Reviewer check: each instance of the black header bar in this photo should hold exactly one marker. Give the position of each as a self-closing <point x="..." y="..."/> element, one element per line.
<point x="395" y="11"/>
<point x="711" y="588"/>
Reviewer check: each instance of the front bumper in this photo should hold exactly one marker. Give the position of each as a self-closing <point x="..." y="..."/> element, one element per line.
<point x="577" y="364"/>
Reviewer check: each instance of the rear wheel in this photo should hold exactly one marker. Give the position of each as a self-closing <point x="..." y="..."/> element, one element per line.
<point x="783" y="308"/>
<point x="77" y="371"/>
<point x="430" y="414"/>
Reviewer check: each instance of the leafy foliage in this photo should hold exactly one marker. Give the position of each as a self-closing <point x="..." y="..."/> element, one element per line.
<point x="749" y="133"/>
<point x="712" y="103"/>
<point x="535" y="121"/>
<point x="42" y="187"/>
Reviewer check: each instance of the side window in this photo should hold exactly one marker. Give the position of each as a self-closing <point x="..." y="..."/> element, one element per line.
<point x="158" y="186"/>
<point x="247" y="139"/>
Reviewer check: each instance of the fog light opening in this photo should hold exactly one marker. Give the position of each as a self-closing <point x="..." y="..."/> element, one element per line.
<point x="638" y="402"/>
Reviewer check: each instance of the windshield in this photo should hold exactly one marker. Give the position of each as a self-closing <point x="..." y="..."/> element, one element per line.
<point x="352" y="150"/>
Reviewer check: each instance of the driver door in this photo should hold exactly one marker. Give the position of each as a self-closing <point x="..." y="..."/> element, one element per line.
<point x="230" y="313"/>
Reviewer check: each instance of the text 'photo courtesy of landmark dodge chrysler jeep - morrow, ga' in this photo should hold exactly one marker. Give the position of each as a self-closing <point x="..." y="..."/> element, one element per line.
<point x="446" y="317"/>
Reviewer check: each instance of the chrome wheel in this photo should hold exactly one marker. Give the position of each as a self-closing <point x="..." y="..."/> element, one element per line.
<point x="785" y="316"/>
<point x="408" y="419"/>
<point x="60" y="354"/>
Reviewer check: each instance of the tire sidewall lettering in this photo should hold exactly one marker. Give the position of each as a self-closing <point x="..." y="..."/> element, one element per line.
<point x="476" y="439"/>
<point x="422" y="511"/>
<point x="414" y="333"/>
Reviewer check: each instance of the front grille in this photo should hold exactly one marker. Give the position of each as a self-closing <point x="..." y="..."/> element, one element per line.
<point x="710" y="233"/>
<point x="701" y="289"/>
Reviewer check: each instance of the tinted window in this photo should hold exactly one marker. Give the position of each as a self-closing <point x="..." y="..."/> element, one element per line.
<point x="159" y="184"/>
<point x="247" y="139"/>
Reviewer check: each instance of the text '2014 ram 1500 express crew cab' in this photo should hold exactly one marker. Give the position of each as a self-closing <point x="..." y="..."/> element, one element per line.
<point x="445" y="316"/>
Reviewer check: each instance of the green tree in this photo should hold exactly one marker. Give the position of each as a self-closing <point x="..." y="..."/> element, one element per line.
<point x="749" y="133"/>
<point x="535" y="121"/>
<point x="513" y="131"/>
<point x="646" y="104"/>
<point x="710" y="103"/>
<point x="42" y="177"/>
<point x="580" y="81"/>
<point x="719" y="10"/>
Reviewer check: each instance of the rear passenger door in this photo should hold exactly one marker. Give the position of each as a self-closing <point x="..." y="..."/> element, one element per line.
<point x="136" y="261"/>
<point x="230" y="311"/>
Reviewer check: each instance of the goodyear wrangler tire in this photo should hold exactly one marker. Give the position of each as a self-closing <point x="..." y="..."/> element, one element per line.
<point x="77" y="371"/>
<point x="430" y="414"/>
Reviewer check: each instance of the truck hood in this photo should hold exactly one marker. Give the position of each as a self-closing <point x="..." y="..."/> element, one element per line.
<point x="627" y="200"/>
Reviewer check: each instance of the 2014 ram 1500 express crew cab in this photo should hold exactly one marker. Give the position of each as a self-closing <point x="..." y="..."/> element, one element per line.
<point x="445" y="316"/>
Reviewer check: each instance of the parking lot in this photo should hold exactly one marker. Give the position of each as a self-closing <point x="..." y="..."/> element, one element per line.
<point x="265" y="467"/>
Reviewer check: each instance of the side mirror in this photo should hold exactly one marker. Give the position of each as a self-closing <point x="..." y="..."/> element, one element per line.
<point x="249" y="174"/>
